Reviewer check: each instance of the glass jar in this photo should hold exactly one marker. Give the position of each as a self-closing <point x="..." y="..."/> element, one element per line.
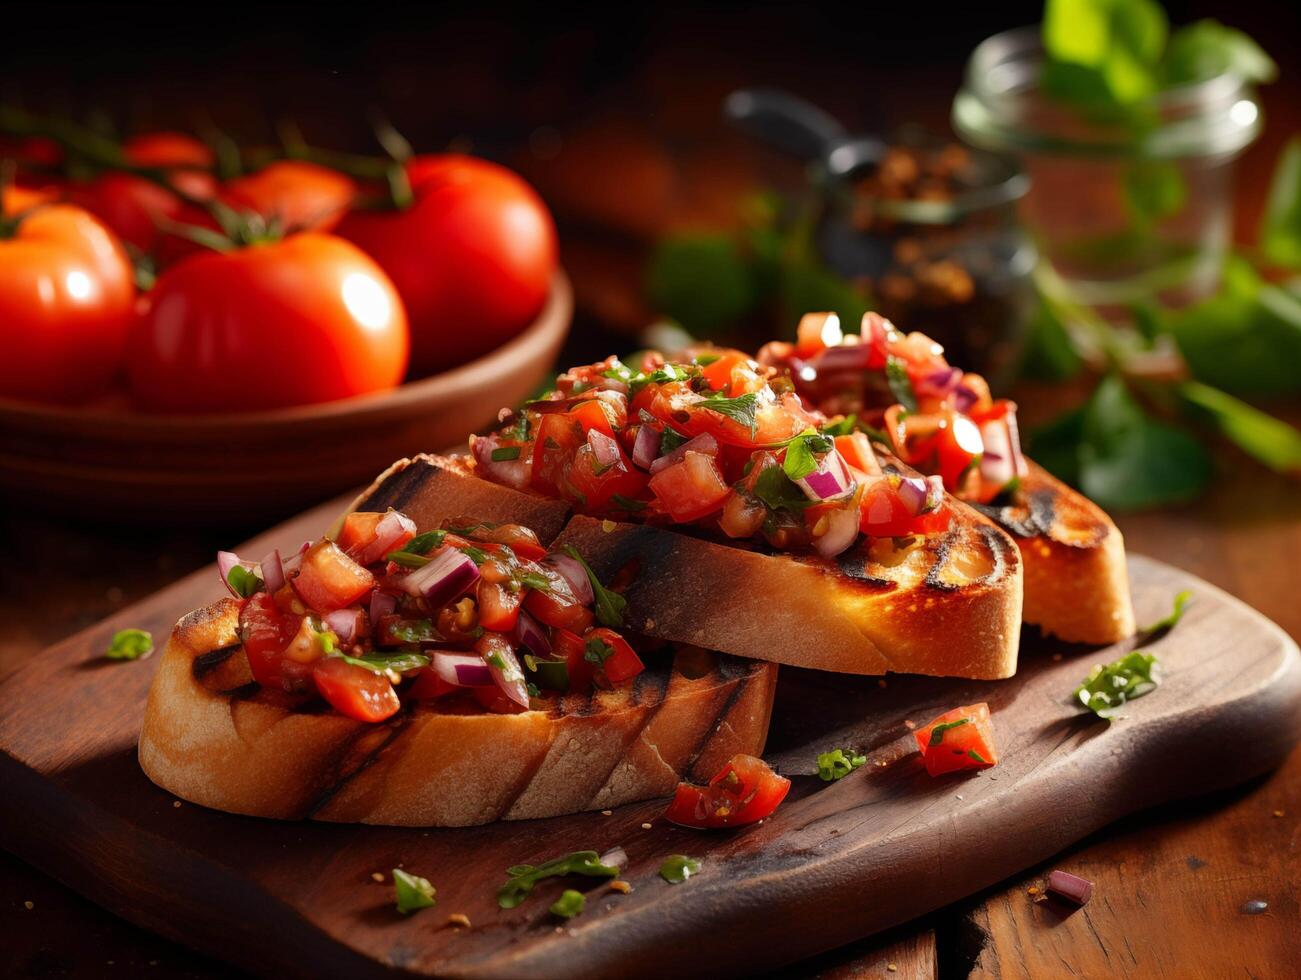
<point x="1124" y="212"/>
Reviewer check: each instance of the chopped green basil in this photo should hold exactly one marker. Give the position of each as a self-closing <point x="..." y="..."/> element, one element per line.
<point x="422" y="544"/>
<point x="1110" y="686"/>
<point x="937" y="733"/>
<point x="841" y="427"/>
<point x="382" y="663"/>
<point x="569" y="904"/>
<point x="976" y="756"/>
<point x="677" y="868"/>
<point x="130" y="644"/>
<point x="551" y="674"/>
<point x="524" y="876"/>
<point x="536" y="581"/>
<point x="413" y="892"/>
<point x="244" y="582"/>
<point x="802" y="453"/>
<point x="1165" y="625"/>
<point x="704" y="360"/>
<point x="623" y="503"/>
<point x="901" y="386"/>
<point x="742" y="409"/>
<point x="778" y="492"/>
<point x="503" y="453"/>
<point x="415" y="631"/>
<point x="407" y="559"/>
<point x="610" y="606"/>
<point x="597" y="651"/>
<point x="838" y="763"/>
<point x="476" y="555"/>
<point x="495" y="659"/>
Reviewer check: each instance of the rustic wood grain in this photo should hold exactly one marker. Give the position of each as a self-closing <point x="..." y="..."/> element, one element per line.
<point x="836" y="863"/>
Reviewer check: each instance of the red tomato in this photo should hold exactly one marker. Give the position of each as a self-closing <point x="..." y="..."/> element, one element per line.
<point x="856" y="450"/>
<point x="304" y="320"/>
<point x="428" y="685"/>
<point x="494" y="700"/>
<point x="746" y="791"/>
<point x="557" y="438"/>
<point x="621" y="663"/>
<point x="885" y="515"/>
<point x="596" y="484"/>
<point x="958" y="444"/>
<point x="67" y="296"/>
<point x="959" y="739"/>
<point x="573" y="649"/>
<point x="520" y="539"/>
<point x="690" y="489"/>
<point x="353" y="691"/>
<point x="557" y="606"/>
<point x="300" y="196"/>
<point x="328" y="579"/>
<point x="265" y="632"/>
<point x="358" y="531"/>
<point x="473" y="257"/>
<point x="498" y="606"/>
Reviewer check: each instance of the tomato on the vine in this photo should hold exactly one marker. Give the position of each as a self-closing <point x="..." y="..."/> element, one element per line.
<point x="67" y="297"/>
<point x="298" y="195"/>
<point x="473" y="257"/>
<point x="303" y="320"/>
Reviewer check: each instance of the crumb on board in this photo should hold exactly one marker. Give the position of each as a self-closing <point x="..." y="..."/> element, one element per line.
<point x="909" y="724"/>
<point x="650" y="624"/>
<point x="620" y="886"/>
<point x="459" y="919"/>
<point x="893" y="968"/>
<point x="646" y="826"/>
<point x="29" y="905"/>
<point x="1032" y="890"/>
<point x="881" y="682"/>
<point x="608" y="525"/>
<point x="377" y="876"/>
<point x="176" y="804"/>
<point x="1278" y="813"/>
<point x="1057" y="657"/>
<point x="607" y="813"/>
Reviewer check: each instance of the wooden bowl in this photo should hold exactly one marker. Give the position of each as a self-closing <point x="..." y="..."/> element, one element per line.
<point x="248" y="466"/>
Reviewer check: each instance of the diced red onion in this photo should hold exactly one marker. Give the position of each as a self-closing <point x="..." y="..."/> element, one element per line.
<point x="508" y="472"/>
<point x="511" y="678"/>
<point x="615" y="857"/>
<point x="273" y="571"/>
<point x="1069" y="887"/>
<point x="943" y="380"/>
<point x="1014" y="440"/>
<point x="574" y="574"/>
<point x="846" y="357"/>
<point x="830" y="480"/>
<point x="934" y="493"/>
<point x="605" y="450"/>
<point x="964" y="398"/>
<point x="841" y="532"/>
<point x="996" y="464"/>
<point x="703" y="443"/>
<point x="461" y="669"/>
<point x="346" y="624"/>
<point x="227" y="560"/>
<point x="391" y="528"/>
<point x="527" y="633"/>
<point x="646" y="446"/>
<point x="449" y="573"/>
<point x="290" y="564"/>
<point x="913" y="491"/>
<point x="382" y="604"/>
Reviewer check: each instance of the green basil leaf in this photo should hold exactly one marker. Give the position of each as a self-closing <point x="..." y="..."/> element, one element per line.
<point x="610" y="606"/>
<point x="777" y="492"/>
<point x="413" y="893"/>
<point x="244" y="582"/>
<point x="838" y="763"/>
<point x="937" y="733"/>
<point x="1207" y="48"/>
<point x="383" y="663"/>
<point x="524" y="877"/>
<point x="901" y="386"/>
<point x="1109" y="686"/>
<point x="677" y="868"/>
<point x="802" y="454"/>
<point x="742" y="409"/>
<point x="1103" y="54"/>
<point x="597" y="651"/>
<point x="130" y="644"/>
<point x="1166" y="624"/>
<point x="1280" y="229"/>
<point x="422" y="544"/>
<point x="1269" y="440"/>
<point x="569" y="904"/>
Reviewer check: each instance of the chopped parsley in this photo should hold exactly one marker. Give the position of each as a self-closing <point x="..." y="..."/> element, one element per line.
<point x="901" y="386"/>
<point x="415" y="631"/>
<point x="130" y="644"/>
<point x="569" y="904"/>
<point x="551" y="674"/>
<point x="413" y="892"/>
<point x="704" y="360"/>
<point x="503" y="453"/>
<point x="1163" y="626"/>
<point x="778" y="492"/>
<point x="244" y="582"/>
<point x="610" y="606"/>
<point x="1109" y="686"/>
<point x="422" y="544"/>
<point x="407" y="559"/>
<point x="495" y="659"/>
<point x="802" y="453"/>
<point x="838" y="763"/>
<point x="743" y="409"/>
<point x="476" y="555"/>
<point x="382" y="663"/>
<point x="597" y="651"/>
<point x="841" y="427"/>
<point x="976" y="756"/>
<point x="937" y="733"/>
<point x="670" y="439"/>
<point x="677" y="868"/>
<point x="524" y="876"/>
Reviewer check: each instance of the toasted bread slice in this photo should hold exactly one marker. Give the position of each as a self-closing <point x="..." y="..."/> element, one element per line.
<point x="947" y="604"/>
<point x="212" y="738"/>
<point x="1076" y="582"/>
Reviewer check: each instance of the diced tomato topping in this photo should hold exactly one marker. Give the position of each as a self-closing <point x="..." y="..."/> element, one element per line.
<point x="353" y="691"/>
<point x="746" y="791"/>
<point x="619" y="662"/>
<point x="557" y="438"/>
<point x="428" y="685"/>
<point x="856" y="450"/>
<point x="573" y="649"/>
<point x="266" y="632"/>
<point x="595" y="483"/>
<point x="496" y="701"/>
<point x="557" y="607"/>
<point x="959" y="739"/>
<point x="498" y="606"/>
<point x="329" y="579"/>
<point x="816" y="332"/>
<point x="358" y="531"/>
<point x="690" y="489"/>
<point x="885" y="515"/>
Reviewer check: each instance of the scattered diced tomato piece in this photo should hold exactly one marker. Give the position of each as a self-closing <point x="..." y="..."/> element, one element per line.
<point x="746" y="791"/>
<point x="353" y="691"/>
<point x="595" y="484"/>
<point x="329" y="579"/>
<point x="959" y="739"/>
<point x="690" y="489"/>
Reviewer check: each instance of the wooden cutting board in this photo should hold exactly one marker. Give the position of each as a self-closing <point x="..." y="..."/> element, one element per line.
<point x="837" y="861"/>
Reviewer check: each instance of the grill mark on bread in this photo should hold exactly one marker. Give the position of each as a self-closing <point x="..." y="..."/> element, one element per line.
<point x="995" y="544"/>
<point x="854" y="564"/>
<point x="205" y="663"/>
<point x="739" y="687"/>
<point x="398" y="489"/>
<point x="337" y="773"/>
<point x="1036" y="516"/>
<point x="642" y="683"/>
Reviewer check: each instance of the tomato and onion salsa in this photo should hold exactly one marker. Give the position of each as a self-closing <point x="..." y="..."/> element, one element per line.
<point x="469" y="615"/>
<point x="711" y="439"/>
<point x="899" y="387"/>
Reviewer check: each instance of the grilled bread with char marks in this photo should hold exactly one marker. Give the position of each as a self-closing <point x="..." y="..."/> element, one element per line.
<point x="945" y="604"/>
<point x="213" y="737"/>
<point x="1076" y="582"/>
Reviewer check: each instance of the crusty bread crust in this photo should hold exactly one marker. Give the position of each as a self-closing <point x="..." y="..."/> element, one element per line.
<point x="1076" y="581"/>
<point x="948" y="604"/>
<point x="244" y="752"/>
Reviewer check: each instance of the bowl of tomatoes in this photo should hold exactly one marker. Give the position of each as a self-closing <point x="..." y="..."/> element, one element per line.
<point x="178" y="343"/>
